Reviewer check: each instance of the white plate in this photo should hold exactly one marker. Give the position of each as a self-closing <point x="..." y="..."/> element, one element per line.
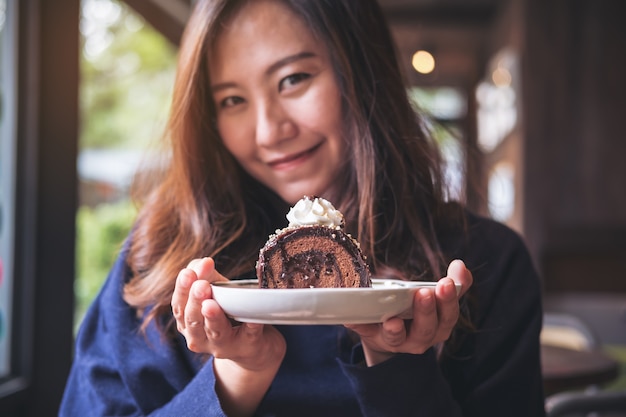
<point x="244" y="301"/>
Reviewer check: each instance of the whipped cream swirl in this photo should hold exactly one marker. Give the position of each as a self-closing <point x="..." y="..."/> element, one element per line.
<point x="311" y="211"/>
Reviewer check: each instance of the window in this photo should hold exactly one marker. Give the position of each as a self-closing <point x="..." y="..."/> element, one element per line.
<point x="127" y="73"/>
<point x="446" y="108"/>
<point x="38" y="137"/>
<point x="499" y="138"/>
<point x="7" y="183"/>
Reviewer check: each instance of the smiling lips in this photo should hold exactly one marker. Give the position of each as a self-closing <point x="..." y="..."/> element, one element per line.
<point x="288" y="161"/>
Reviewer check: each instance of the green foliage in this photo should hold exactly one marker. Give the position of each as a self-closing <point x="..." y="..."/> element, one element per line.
<point x="127" y="72"/>
<point x="100" y="234"/>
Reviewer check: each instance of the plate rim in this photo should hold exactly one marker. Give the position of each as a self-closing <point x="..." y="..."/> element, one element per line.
<point x="381" y="285"/>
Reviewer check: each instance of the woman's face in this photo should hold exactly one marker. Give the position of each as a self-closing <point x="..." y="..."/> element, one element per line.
<point x="278" y="101"/>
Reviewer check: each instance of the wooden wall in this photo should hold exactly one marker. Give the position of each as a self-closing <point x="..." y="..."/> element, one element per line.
<point x="574" y="114"/>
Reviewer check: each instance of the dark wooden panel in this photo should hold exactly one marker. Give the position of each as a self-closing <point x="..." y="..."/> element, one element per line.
<point x="168" y="25"/>
<point x="574" y="104"/>
<point x="586" y="270"/>
<point x="586" y="260"/>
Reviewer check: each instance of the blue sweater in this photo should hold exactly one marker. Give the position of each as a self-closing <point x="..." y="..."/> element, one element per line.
<point x="118" y="371"/>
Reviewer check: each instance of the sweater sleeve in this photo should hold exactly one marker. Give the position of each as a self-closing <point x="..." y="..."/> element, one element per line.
<point x="494" y="368"/>
<point x="120" y="371"/>
<point x="404" y="386"/>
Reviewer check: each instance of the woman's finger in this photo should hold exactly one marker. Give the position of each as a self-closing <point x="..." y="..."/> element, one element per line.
<point x="201" y="266"/>
<point x="393" y="332"/>
<point x="447" y="308"/>
<point x="205" y="270"/>
<point x="194" y="320"/>
<point x="424" y="326"/>
<point x="460" y="275"/>
<point x="222" y="336"/>
<point x="181" y="295"/>
<point x="216" y="325"/>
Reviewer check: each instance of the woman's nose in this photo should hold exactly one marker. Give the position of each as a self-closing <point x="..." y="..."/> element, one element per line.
<point x="274" y="125"/>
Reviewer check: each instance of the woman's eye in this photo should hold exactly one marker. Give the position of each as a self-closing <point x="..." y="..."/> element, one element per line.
<point x="292" y="80"/>
<point x="230" y="101"/>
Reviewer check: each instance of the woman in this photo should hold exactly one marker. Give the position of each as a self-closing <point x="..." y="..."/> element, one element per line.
<point x="276" y="99"/>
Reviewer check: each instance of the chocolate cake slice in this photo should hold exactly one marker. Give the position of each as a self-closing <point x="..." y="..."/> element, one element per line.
<point x="313" y="251"/>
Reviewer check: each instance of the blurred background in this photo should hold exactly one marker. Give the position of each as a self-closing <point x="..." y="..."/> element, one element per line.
<point x="526" y="99"/>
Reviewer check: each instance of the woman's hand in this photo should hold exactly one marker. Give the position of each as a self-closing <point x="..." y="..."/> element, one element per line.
<point x="435" y="313"/>
<point x="246" y="356"/>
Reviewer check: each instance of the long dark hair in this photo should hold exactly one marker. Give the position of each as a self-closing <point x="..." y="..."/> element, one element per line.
<point x="207" y="206"/>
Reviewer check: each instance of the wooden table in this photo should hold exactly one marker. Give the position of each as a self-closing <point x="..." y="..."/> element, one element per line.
<point x="568" y="369"/>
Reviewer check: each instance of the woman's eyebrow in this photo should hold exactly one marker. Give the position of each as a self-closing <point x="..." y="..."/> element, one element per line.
<point x="271" y="69"/>
<point x="222" y="86"/>
<point x="287" y="60"/>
